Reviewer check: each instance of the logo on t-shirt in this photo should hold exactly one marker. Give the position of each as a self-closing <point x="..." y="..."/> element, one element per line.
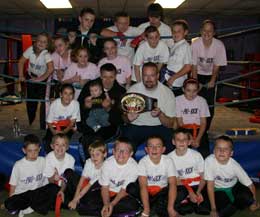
<point x="117" y="183"/>
<point x="206" y="60"/>
<point x="187" y="111"/>
<point x="223" y="179"/>
<point x="186" y="171"/>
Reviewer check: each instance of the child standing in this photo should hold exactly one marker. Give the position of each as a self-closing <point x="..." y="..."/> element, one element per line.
<point x="152" y="50"/>
<point x="81" y="71"/>
<point x="40" y="68"/>
<point x="190" y="170"/>
<point x="179" y="63"/>
<point x="122" y="63"/>
<point x="63" y="114"/>
<point x="117" y="173"/>
<point x="27" y="173"/>
<point x="157" y="180"/>
<point x="192" y="112"/>
<point x="98" y="116"/>
<point x="120" y="30"/>
<point x="229" y="187"/>
<point x="88" y="188"/>
<point x="61" y="60"/>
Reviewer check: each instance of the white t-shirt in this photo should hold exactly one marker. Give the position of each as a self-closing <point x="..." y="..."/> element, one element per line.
<point x="166" y="102"/>
<point x="157" y="174"/>
<point x="89" y="72"/>
<point x="37" y="64"/>
<point x="117" y="176"/>
<point x="163" y="29"/>
<point x="28" y="175"/>
<point x="180" y="55"/>
<point x="123" y="66"/>
<point x="191" y="110"/>
<point x="225" y="175"/>
<point x="59" y="112"/>
<point x="90" y="171"/>
<point x="145" y="54"/>
<point x="206" y="58"/>
<point x="125" y="49"/>
<point x="59" y="63"/>
<point x="61" y="165"/>
<point x="190" y="165"/>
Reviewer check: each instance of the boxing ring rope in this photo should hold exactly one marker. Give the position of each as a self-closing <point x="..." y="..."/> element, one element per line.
<point x="241" y="29"/>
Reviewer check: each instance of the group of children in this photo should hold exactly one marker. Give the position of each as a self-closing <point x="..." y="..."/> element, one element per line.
<point x="176" y="184"/>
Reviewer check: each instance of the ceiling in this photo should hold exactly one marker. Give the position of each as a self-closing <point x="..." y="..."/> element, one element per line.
<point x="136" y="8"/>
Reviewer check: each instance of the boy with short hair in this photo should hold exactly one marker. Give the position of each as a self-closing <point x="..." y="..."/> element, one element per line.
<point x="87" y="34"/>
<point x="155" y="16"/>
<point x="41" y="200"/>
<point x="229" y="187"/>
<point x="152" y="50"/>
<point x="157" y="179"/>
<point x="121" y="29"/>
<point x="88" y="188"/>
<point x="117" y="173"/>
<point x="190" y="169"/>
<point x="27" y="173"/>
<point x="179" y="63"/>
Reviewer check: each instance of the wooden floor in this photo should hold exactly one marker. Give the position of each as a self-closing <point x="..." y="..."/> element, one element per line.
<point x="224" y="119"/>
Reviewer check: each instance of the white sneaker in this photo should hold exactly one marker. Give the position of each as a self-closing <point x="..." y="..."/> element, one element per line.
<point x="25" y="211"/>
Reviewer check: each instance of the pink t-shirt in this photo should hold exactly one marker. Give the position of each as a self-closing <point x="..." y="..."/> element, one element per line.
<point x="123" y="66"/>
<point x="89" y="72"/>
<point x="60" y="63"/>
<point x="191" y="110"/>
<point x="206" y="58"/>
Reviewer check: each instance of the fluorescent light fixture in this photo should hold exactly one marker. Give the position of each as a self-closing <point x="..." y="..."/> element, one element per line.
<point x="169" y="3"/>
<point x="54" y="4"/>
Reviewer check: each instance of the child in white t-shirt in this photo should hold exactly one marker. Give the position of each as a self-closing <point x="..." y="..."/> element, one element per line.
<point x="40" y="67"/>
<point x="120" y="30"/>
<point x="80" y="71"/>
<point x="157" y="180"/>
<point x="117" y="173"/>
<point x="122" y="63"/>
<point x="88" y="189"/>
<point x="58" y="165"/>
<point x="152" y="50"/>
<point x="191" y="191"/>
<point x="27" y="173"/>
<point x="192" y="112"/>
<point x="63" y="114"/>
<point x="229" y="187"/>
<point x="179" y="63"/>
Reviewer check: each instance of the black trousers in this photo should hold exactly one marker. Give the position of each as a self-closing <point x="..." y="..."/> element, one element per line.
<point x="209" y="95"/>
<point x="48" y="137"/>
<point x="92" y="204"/>
<point x="41" y="200"/>
<point x="55" y="89"/>
<point x="188" y="207"/>
<point x="36" y="91"/>
<point x="243" y="198"/>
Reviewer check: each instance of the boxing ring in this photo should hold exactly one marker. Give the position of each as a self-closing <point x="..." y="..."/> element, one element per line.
<point x="246" y="148"/>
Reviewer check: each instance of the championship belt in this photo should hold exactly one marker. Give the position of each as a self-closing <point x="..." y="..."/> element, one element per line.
<point x="137" y="103"/>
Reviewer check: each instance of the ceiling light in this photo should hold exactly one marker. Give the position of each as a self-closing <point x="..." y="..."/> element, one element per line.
<point x="169" y="3"/>
<point x="54" y="4"/>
